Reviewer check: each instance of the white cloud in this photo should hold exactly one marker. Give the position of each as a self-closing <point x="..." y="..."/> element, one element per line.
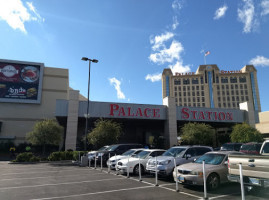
<point x="16" y="14"/>
<point x="175" y="23"/>
<point x="220" y="12"/>
<point x="154" y="77"/>
<point x="116" y="83"/>
<point x="246" y="15"/>
<point x="265" y="7"/>
<point x="179" y="67"/>
<point x="158" y="41"/>
<point x="260" y="61"/>
<point x="177" y="5"/>
<point x="168" y="54"/>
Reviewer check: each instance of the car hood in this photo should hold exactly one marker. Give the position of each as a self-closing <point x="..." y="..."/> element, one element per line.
<point x="197" y="167"/>
<point x="125" y="160"/>
<point x="117" y="157"/>
<point x="162" y="158"/>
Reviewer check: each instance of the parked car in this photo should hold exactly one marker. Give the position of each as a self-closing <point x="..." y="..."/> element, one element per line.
<point x="182" y="155"/>
<point x="231" y="147"/>
<point x="114" y="159"/>
<point x="133" y="162"/>
<point x="215" y="166"/>
<point x="116" y="149"/>
<point x="92" y="154"/>
<point x="251" y="148"/>
<point x="255" y="168"/>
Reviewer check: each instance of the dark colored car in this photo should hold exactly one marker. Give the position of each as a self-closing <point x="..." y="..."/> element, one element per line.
<point x="231" y="147"/>
<point x="251" y="148"/>
<point x="116" y="149"/>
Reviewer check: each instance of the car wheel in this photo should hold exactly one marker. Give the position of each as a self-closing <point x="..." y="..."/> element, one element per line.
<point x="212" y="181"/>
<point x="136" y="169"/>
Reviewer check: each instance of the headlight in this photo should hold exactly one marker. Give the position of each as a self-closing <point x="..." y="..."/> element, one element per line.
<point x="196" y="173"/>
<point x="164" y="162"/>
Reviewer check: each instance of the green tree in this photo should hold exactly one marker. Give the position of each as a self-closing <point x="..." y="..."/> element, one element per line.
<point x="45" y="132"/>
<point x="105" y="132"/>
<point x="197" y="133"/>
<point x="245" y="133"/>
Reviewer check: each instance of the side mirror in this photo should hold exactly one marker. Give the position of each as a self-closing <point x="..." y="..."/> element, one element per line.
<point x="194" y="159"/>
<point x="226" y="163"/>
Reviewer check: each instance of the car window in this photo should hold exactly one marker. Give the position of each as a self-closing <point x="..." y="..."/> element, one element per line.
<point x="201" y="151"/>
<point x="266" y="148"/>
<point x="237" y="147"/>
<point x="175" y="152"/>
<point x="212" y="159"/>
<point x="191" y="151"/>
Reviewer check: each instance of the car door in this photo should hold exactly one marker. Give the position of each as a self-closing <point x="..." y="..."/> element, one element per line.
<point x="190" y="152"/>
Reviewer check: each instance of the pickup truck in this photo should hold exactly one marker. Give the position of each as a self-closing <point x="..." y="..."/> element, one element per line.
<point x="255" y="168"/>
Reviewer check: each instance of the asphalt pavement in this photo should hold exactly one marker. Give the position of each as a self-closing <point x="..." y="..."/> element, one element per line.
<point x="46" y="181"/>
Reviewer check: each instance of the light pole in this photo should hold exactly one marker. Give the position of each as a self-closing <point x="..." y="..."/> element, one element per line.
<point x="88" y="99"/>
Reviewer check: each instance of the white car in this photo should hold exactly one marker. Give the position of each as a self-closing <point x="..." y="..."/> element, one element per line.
<point x="132" y="163"/>
<point x="91" y="154"/>
<point x="114" y="159"/>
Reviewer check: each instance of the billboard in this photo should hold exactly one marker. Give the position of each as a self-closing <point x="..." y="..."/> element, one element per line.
<point x="20" y="82"/>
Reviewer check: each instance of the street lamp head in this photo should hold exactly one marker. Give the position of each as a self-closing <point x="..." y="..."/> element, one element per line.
<point x="94" y="60"/>
<point x="84" y="58"/>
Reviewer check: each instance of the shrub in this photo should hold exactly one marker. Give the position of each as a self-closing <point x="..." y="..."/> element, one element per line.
<point x="61" y="155"/>
<point x="27" y="157"/>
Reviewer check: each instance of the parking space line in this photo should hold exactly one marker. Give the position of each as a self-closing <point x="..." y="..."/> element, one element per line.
<point x="225" y="195"/>
<point x="94" y="193"/>
<point x="54" y="184"/>
<point x="42" y="172"/>
<point x="11" y="179"/>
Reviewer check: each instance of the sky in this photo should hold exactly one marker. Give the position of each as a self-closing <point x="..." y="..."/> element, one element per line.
<point x="134" y="40"/>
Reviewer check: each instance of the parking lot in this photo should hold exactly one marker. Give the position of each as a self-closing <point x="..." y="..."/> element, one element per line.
<point x="65" y="181"/>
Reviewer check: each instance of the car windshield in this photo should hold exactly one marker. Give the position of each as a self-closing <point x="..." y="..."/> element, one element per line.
<point x="228" y="147"/>
<point x="175" y="152"/>
<point x="211" y="159"/>
<point x="142" y="154"/>
<point x="103" y="148"/>
<point x="251" y="147"/>
<point x="112" y="148"/>
<point x="128" y="153"/>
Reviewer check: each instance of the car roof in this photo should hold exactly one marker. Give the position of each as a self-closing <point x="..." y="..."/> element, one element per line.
<point x="188" y="146"/>
<point x="224" y="152"/>
<point x="154" y="150"/>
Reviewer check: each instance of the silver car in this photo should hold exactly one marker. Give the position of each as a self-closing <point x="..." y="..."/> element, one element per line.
<point x="215" y="166"/>
<point x="181" y="155"/>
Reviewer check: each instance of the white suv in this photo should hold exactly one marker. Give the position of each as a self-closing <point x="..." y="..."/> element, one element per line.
<point x="181" y="154"/>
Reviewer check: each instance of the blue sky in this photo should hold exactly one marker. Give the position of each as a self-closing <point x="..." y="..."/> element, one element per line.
<point x="134" y="40"/>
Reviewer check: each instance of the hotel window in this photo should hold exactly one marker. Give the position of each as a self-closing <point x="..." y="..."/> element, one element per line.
<point x="180" y="104"/>
<point x="189" y="99"/>
<point x="237" y="98"/>
<point x="192" y="87"/>
<point x="202" y="80"/>
<point x="229" y="105"/>
<point x="198" y="93"/>
<point x="197" y="87"/>
<point x="177" y="82"/>
<point x="175" y="88"/>
<point x="203" y="104"/>
<point x="195" y="81"/>
<point x="179" y="94"/>
<point x="185" y="99"/>
<point x="223" y="98"/>
<point x="186" y="81"/>
<point x="234" y="105"/>
<point x="203" y="99"/>
<point x="203" y="93"/>
<point x="232" y="87"/>
<point x="222" y="87"/>
<point x="189" y="93"/>
<point x="237" y="92"/>
<point x="228" y="98"/>
<point x="176" y="99"/>
<point x="227" y="92"/>
<point x="189" y="104"/>
<point x="227" y="87"/>
<point x="218" y="92"/>
<point x="247" y="98"/>
<point x="193" y="99"/>
<point x="233" y="79"/>
<point x="224" y="105"/>
<point x="217" y="79"/>
<point x="236" y="86"/>
<point x="217" y="87"/>
<point x="219" y="99"/>
<point x="202" y="87"/>
<point x="193" y="93"/>
<point x="224" y="80"/>
<point x="180" y="99"/>
<point x="184" y="93"/>
<point x="223" y="92"/>
<point x="188" y="88"/>
<point x="219" y="105"/>
<point x="179" y="88"/>
<point x="184" y="88"/>
<point x="242" y="92"/>
<point x="242" y="98"/>
<point x="245" y="86"/>
<point x="198" y="104"/>
<point x="198" y="99"/>
<point x="175" y="94"/>
<point x="233" y="99"/>
<point x="241" y="86"/>
<point x="194" y="104"/>
<point x="242" y="79"/>
<point x="232" y="92"/>
<point x="185" y="104"/>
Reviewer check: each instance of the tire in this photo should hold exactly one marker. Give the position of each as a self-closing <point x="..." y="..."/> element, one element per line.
<point x="213" y="181"/>
<point x="136" y="170"/>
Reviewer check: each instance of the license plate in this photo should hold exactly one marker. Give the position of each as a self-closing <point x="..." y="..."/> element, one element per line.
<point x="181" y="179"/>
<point x="254" y="181"/>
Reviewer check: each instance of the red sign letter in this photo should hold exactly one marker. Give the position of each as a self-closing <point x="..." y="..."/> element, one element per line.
<point x="185" y="113"/>
<point x="113" y="107"/>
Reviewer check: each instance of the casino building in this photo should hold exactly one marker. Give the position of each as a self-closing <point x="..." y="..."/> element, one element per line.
<point x="30" y="92"/>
